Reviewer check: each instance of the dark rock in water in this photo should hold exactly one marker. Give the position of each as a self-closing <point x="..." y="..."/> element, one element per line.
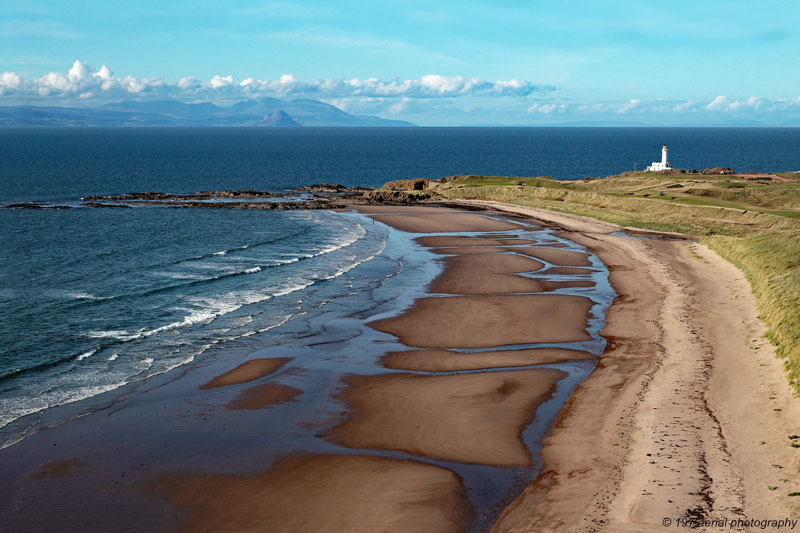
<point x="99" y="204"/>
<point x="146" y="195"/>
<point x="247" y="193"/>
<point x="279" y="119"/>
<point x="265" y="206"/>
<point x="330" y="188"/>
<point x="319" y="196"/>
<point x="33" y="205"/>
<point x="149" y="196"/>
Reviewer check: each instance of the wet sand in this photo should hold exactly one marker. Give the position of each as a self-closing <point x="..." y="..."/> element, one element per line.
<point x="469" y="418"/>
<point x="562" y="258"/>
<point x="494" y="274"/>
<point x="486" y="274"/>
<point x="470" y="250"/>
<point x="439" y="241"/>
<point x="490" y="321"/>
<point x="447" y="361"/>
<point x="263" y="396"/>
<point x="323" y="493"/>
<point x="467" y="426"/>
<point x="59" y="469"/>
<point x="246" y="372"/>
<point x="478" y="415"/>
<point x="444" y="222"/>
<point x="565" y="258"/>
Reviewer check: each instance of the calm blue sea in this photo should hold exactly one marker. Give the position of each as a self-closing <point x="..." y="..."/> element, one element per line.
<point x="91" y="299"/>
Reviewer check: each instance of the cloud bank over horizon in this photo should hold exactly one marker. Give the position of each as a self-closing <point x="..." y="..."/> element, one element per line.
<point x="83" y="83"/>
<point x="430" y="100"/>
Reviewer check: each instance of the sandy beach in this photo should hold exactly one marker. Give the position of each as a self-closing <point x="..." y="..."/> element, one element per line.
<point x="457" y="412"/>
<point x="688" y="413"/>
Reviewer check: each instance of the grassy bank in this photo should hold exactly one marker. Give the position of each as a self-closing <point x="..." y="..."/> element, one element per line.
<point x="752" y="221"/>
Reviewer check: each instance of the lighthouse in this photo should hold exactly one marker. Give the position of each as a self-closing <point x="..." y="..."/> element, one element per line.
<point x="663" y="165"/>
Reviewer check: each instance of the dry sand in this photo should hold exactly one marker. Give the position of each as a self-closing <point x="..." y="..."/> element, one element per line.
<point x="470" y="418"/>
<point x="247" y="371"/>
<point x="490" y="321"/>
<point x="446" y="360"/>
<point x="333" y="493"/>
<point x="688" y="411"/>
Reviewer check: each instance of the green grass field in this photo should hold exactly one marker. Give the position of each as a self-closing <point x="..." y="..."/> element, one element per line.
<point x="752" y="221"/>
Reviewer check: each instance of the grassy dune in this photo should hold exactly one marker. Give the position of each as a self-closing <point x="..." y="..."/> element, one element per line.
<point x="752" y="221"/>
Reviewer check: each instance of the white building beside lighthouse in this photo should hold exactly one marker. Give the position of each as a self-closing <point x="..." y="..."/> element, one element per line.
<point x="663" y="165"/>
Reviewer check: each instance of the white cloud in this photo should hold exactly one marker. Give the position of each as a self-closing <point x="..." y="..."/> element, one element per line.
<point x="738" y="105"/>
<point x="403" y="106"/>
<point x="104" y="73"/>
<point x="188" y="83"/>
<point x="720" y="102"/>
<point x="545" y="109"/>
<point x="219" y="81"/>
<point x="79" y="71"/>
<point x="627" y="106"/>
<point x="9" y="82"/>
<point x="82" y="79"/>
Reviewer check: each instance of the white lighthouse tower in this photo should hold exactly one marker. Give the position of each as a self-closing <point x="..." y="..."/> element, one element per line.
<point x="663" y="165"/>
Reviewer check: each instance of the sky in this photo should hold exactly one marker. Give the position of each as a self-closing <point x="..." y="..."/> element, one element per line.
<point x="444" y="63"/>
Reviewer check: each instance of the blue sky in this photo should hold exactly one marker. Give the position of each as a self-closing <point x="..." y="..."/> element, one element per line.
<point x="701" y="62"/>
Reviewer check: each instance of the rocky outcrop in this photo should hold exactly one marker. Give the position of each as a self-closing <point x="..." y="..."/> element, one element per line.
<point x="149" y="196"/>
<point x="263" y="206"/>
<point x="323" y="196"/>
<point x="112" y="206"/>
<point x="318" y="196"/>
<point x="417" y="184"/>
<point x="33" y="205"/>
<point x="247" y="193"/>
<point x="717" y="170"/>
<point x="331" y="188"/>
<point x="388" y="196"/>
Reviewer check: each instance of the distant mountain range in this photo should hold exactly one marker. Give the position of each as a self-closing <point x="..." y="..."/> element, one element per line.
<point x="267" y="112"/>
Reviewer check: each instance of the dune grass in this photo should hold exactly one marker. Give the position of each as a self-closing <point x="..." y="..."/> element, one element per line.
<point x="757" y="228"/>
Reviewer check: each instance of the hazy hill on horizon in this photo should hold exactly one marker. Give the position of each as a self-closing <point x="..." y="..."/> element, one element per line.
<point x="266" y="112"/>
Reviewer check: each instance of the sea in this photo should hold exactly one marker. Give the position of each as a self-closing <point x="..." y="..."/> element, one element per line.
<point x="92" y="300"/>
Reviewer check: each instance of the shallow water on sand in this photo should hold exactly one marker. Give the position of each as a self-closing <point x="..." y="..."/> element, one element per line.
<point x="327" y="339"/>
